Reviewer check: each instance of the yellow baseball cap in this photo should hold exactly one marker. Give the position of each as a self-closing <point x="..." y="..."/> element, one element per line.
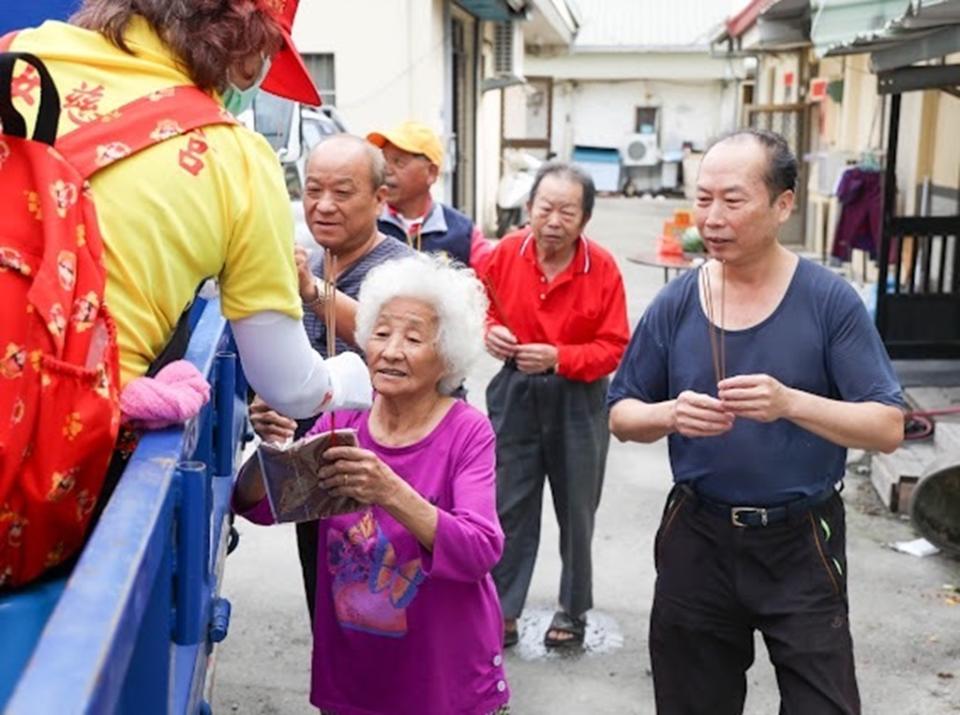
<point x="413" y="137"/>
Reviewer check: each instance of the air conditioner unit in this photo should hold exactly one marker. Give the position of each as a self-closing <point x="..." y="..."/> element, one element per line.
<point x="640" y="150"/>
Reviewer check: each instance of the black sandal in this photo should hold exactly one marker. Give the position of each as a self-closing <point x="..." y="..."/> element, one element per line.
<point x="573" y="628"/>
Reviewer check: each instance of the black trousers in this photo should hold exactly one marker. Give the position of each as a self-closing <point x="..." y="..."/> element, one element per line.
<point x="307" y="546"/>
<point x="551" y="428"/>
<point x="717" y="583"/>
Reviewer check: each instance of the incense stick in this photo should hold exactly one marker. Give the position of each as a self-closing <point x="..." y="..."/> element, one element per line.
<point x="715" y="327"/>
<point x="330" y="316"/>
<point x="723" y="320"/>
<point x="708" y="306"/>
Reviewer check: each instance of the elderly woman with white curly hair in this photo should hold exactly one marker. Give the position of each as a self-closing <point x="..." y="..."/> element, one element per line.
<point x="407" y="618"/>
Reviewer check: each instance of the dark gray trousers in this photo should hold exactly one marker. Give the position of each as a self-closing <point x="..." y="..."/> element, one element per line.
<point x="548" y="426"/>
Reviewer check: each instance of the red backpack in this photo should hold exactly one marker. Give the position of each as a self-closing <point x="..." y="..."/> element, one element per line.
<point x="59" y="370"/>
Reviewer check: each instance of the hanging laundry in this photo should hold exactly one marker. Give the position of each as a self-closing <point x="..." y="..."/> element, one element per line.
<point x="860" y="193"/>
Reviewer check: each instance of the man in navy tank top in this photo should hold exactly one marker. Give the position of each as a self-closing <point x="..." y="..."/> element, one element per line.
<point x="761" y="369"/>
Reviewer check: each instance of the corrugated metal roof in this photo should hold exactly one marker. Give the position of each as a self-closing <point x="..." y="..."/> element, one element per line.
<point x="927" y="30"/>
<point x="648" y="25"/>
<point x="837" y="22"/>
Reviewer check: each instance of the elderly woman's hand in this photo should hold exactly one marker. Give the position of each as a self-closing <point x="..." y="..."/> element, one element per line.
<point x="270" y="426"/>
<point x="360" y="474"/>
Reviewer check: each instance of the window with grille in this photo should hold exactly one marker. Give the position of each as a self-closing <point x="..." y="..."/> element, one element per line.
<point x="321" y="68"/>
<point x="647" y="120"/>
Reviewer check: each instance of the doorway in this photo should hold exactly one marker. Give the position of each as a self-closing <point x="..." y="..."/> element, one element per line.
<point x="463" y="121"/>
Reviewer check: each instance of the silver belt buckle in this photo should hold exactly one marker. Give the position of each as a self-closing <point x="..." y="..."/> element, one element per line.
<point x="737" y="510"/>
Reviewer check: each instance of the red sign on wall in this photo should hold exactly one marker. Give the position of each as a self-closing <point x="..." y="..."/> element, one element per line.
<point x="818" y="89"/>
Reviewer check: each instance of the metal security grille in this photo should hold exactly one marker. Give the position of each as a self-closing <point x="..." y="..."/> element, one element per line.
<point x="784" y="119"/>
<point x="789" y="121"/>
<point x="918" y="302"/>
<point x="321" y="67"/>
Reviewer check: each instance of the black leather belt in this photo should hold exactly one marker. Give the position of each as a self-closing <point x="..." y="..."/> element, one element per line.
<point x="759" y="516"/>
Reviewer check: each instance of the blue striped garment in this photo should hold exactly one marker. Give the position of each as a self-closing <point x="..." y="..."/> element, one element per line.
<point x="349" y="282"/>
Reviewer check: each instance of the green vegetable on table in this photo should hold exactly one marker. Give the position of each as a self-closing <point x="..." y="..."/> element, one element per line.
<point x="691" y="241"/>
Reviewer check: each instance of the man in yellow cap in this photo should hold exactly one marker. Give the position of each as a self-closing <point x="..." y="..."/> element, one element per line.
<point x="414" y="157"/>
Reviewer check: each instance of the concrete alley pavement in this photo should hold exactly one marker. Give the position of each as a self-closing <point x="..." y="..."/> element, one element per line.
<point x="906" y="626"/>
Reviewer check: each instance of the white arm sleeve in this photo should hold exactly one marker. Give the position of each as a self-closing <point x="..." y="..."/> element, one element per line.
<point x="290" y="376"/>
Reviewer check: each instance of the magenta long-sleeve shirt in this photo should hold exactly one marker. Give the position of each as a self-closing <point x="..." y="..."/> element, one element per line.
<point x="400" y="630"/>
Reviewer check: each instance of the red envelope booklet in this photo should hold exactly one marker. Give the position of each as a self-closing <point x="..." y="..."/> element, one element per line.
<point x="291" y="477"/>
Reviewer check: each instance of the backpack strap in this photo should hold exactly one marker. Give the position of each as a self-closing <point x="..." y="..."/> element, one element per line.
<point x="139" y="124"/>
<point x="48" y="113"/>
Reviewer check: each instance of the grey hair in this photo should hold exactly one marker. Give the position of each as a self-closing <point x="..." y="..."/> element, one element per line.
<point x="573" y="173"/>
<point x="452" y="291"/>
<point x="782" y="168"/>
<point x="376" y="163"/>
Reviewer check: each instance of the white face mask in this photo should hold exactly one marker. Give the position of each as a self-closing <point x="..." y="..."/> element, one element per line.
<point x="236" y="100"/>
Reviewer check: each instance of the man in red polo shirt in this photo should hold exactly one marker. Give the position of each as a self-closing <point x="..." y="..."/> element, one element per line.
<point x="558" y="320"/>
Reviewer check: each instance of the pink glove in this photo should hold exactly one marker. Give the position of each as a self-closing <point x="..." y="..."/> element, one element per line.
<point x="175" y="395"/>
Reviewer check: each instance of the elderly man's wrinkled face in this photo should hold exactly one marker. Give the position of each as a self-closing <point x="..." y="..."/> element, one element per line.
<point x="339" y="201"/>
<point x="556" y="213"/>
<point x="735" y="214"/>
<point x="402" y="350"/>
<point x="409" y="176"/>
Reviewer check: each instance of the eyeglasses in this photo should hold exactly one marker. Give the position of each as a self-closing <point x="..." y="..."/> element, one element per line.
<point x="402" y="160"/>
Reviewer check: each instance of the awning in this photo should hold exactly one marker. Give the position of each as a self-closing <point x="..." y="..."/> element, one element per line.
<point x="767" y="26"/>
<point x="837" y="24"/>
<point x="922" y="31"/>
<point x="897" y="32"/>
<point x="784" y="25"/>
<point x="493" y="10"/>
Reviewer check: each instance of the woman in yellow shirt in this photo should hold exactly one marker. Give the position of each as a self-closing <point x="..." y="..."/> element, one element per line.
<point x="210" y="202"/>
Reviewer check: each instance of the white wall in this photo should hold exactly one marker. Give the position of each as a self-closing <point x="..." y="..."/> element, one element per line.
<point x="389" y="60"/>
<point x="630" y="66"/>
<point x="860" y="124"/>
<point x="388" y="55"/>
<point x="604" y="113"/>
<point x="596" y="94"/>
<point x="771" y="87"/>
<point x="946" y="170"/>
<point x="390" y="64"/>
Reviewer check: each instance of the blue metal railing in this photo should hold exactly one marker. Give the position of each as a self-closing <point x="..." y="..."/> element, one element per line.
<point x="137" y="620"/>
